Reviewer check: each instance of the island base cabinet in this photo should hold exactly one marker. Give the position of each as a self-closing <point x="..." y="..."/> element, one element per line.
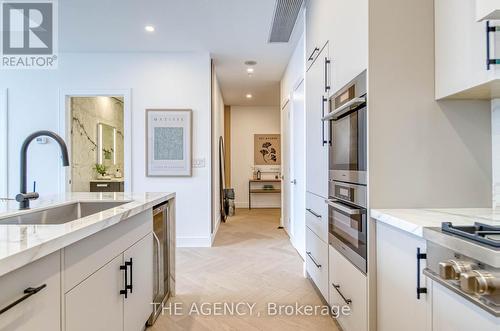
<point x="451" y="312"/>
<point x="99" y="303"/>
<point x="347" y="286"/>
<point x="138" y="307"/>
<point x="40" y="311"/>
<point x="96" y="303"/>
<point x="398" y="307"/>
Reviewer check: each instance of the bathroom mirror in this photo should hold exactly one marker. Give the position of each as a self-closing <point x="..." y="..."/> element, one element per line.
<point x="106" y="144"/>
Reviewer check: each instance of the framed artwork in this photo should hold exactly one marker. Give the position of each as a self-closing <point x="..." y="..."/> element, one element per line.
<point x="168" y="142"/>
<point x="267" y="149"/>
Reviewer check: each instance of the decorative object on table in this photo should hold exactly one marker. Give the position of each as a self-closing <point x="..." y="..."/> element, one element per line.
<point x="267" y="149"/>
<point x="258" y="175"/>
<point x="168" y="142"/>
<point x="101" y="170"/>
<point x="118" y="174"/>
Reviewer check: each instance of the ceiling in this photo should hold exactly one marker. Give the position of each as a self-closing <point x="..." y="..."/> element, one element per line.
<point x="233" y="31"/>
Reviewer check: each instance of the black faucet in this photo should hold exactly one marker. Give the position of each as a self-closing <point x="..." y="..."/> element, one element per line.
<point x="24" y="197"/>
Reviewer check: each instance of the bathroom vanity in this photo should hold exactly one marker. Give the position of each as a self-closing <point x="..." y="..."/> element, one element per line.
<point x="81" y="261"/>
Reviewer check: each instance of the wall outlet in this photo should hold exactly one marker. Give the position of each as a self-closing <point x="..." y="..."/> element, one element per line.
<point x="199" y="163"/>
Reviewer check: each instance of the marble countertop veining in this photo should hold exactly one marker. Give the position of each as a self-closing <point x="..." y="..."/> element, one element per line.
<point x="415" y="220"/>
<point x="22" y="244"/>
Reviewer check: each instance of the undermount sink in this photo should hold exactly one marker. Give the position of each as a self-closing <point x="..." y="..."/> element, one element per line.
<point x="62" y="214"/>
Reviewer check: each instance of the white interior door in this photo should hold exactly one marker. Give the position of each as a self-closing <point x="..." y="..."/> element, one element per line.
<point x="298" y="169"/>
<point x="3" y="144"/>
<point x="285" y="168"/>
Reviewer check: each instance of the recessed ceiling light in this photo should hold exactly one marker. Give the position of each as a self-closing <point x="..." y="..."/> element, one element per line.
<point x="250" y="63"/>
<point x="250" y="70"/>
<point x="249" y="96"/>
<point x="149" y="28"/>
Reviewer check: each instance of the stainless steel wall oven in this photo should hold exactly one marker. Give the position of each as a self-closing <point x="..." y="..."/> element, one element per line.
<point x="347" y="203"/>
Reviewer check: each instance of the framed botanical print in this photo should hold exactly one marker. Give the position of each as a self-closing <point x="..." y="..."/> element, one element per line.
<point x="267" y="149"/>
<point x="168" y="142"/>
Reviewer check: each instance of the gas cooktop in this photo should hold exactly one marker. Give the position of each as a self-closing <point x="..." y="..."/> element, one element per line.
<point x="488" y="235"/>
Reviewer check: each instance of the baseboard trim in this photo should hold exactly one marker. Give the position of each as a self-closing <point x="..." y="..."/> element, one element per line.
<point x="241" y="205"/>
<point x="194" y="241"/>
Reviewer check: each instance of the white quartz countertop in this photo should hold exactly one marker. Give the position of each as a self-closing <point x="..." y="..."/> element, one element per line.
<point x="22" y="244"/>
<point x="415" y="220"/>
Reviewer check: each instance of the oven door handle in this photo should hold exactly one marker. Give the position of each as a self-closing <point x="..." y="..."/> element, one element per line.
<point x="341" y="110"/>
<point x="350" y="211"/>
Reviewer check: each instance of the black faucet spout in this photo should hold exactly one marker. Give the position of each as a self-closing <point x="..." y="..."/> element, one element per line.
<point x="24" y="197"/>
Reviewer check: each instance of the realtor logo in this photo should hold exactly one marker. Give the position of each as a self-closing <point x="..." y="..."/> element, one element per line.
<point x="28" y="36"/>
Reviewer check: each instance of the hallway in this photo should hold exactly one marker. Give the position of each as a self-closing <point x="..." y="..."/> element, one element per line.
<point x="252" y="262"/>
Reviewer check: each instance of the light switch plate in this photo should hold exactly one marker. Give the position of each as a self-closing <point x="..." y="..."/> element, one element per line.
<point x="199" y="163"/>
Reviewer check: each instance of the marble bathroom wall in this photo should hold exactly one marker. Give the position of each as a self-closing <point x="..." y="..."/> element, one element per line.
<point x="86" y="113"/>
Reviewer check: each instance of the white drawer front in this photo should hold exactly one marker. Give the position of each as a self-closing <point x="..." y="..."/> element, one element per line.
<point x="351" y="284"/>
<point x="317" y="216"/>
<point x="317" y="261"/>
<point x="40" y="311"/>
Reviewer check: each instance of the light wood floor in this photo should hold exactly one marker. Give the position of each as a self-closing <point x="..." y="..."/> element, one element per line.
<point x="251" y="261"/>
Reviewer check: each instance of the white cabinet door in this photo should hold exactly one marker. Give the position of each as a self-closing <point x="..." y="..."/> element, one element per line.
<point x="451" y="312"/>
<point x="460" y="46"/>
<point x="317" y="132"/>
<point x="96" y="304"/>
<point x="397" y="305"/>
<point x="349" y="40"/>
<point x="347" y="286"/>
<point x="138" y="306"/>
<point x="318" y="26"/>
<point x="317" y="216"/>
<point x="317" y="261"/>
<point x="40" y="311"/>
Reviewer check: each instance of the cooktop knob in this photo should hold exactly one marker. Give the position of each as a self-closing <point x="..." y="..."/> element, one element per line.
<point x="480" y="282"/>
<point x="452" y="269"/>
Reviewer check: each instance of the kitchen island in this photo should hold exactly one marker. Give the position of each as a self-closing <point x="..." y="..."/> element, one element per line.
<point x="81" y="261"/>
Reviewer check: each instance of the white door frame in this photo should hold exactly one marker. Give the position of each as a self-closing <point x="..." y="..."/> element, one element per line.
<point x="4" y="144"/>
<point x="285" y="173"/>
<point x="65" y="129"/>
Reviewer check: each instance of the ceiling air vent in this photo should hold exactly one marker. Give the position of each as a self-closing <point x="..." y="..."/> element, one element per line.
<point x="285" y="15"/>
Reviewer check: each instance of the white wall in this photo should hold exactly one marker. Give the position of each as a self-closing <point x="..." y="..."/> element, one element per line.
<point x="422" y="153"/>
<point x="245" y="122"/>
<point x="495" y="150"/>
<point x="217" y="131"/>
<point x="156" y="80"/>
<point x="294" y="71"/>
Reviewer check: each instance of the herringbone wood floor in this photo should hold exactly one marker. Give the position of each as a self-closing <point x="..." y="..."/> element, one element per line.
<point x="251" y="261"/>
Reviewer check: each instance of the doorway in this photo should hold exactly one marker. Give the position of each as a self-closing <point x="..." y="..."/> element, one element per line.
<point x="97" y="131"/>
<point x="293" y="119"/>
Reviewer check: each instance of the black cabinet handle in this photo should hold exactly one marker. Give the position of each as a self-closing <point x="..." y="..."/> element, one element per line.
<point x="311" y="57"/>
<point x="489" y="61"/>
<point x="337" y="287"/>
<point x="313" y="212"/>
<point x="327" y="64"/>
<point x="27" y="293"/>
<point x="129" y="264"/>
<point x="314" y="261"/>
<point x="323" y="140"/>
<point x="420" y="256"/>
<point x="125" y="269"/>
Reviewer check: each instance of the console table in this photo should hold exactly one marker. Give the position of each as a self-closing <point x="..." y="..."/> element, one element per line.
<point x="252" y="190"/>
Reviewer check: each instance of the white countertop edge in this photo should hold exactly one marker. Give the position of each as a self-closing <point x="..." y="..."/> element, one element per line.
<point x="23" y="257"/>
<point x="399" y="223"/>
